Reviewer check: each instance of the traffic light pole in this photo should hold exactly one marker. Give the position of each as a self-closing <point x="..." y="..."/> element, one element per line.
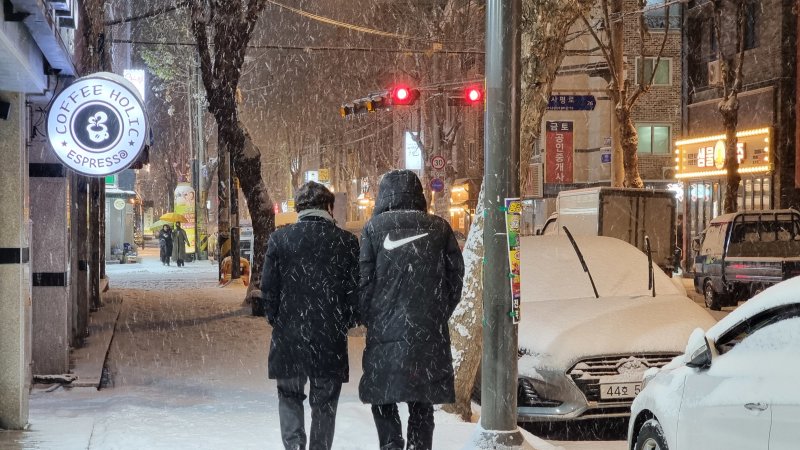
<point x="501" y="180"/>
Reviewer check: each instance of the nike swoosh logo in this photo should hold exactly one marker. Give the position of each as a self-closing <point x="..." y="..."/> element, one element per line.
<point x="389" y="244"/>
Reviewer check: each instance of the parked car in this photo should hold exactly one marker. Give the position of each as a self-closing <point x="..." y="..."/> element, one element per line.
<point x="734" y="388"/>
<point x="741" y="254"/>
<point x="581" y="355"/>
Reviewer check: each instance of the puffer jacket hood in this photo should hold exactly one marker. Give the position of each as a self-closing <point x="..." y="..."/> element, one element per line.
<point x="400" y="190"/>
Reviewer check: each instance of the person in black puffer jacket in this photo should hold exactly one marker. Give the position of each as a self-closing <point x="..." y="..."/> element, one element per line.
<point x="309" y="287"/>
<point x="411" y="278"/>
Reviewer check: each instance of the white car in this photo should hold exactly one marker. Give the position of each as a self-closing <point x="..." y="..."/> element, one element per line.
<point x="581" y="355"/>
<point x="736" y="387"/>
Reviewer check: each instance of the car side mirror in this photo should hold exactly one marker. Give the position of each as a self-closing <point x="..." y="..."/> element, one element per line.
<point x="698" y="350"/>
<point x="696" y="244"/>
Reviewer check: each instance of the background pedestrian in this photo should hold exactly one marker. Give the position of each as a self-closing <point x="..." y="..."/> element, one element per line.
<point x="165" y="244"/>
<point x="179" y="242"/>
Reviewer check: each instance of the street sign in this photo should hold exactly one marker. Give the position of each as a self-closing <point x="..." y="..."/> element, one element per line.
<point x="437" y="185"/>
<point x="605" y="158"/>
<point x="438" y="162"/>
<point x="571" y="103"/>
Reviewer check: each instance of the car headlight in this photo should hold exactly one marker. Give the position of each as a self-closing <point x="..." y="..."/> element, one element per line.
<point x="649" y="374"/>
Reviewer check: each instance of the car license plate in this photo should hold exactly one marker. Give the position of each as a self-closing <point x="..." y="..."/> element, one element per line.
<point x="619" y="390"/>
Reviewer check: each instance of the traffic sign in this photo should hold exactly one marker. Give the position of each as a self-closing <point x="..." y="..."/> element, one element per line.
<point x="438" y="162"/>
<point x="437" y="185"/>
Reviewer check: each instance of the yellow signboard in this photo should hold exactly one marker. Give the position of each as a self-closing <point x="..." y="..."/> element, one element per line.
<point x="705" y="156"/>
<point x="324" y="175"/>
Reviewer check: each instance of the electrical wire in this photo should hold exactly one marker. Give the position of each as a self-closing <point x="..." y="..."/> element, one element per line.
<point x="349" y="26"/>
<point x="310" y="48"/>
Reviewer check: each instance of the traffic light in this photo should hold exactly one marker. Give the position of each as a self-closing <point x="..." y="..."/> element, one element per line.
<point x="473" y="95"/>
<point x="404" y="95"/>
<point x="470" y="96"/>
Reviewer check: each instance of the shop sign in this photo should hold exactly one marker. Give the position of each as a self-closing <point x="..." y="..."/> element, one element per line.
<point x="97" y="126"/>
<point x="119" y="204"/>
<point x="559" y="152"/>
<point x="311" y="175"/>
<point x="324" y="175"/>
<point x="513" y="210"/>
<point x="705" y="156"/>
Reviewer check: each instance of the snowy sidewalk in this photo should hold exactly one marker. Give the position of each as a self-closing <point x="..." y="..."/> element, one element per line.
<point x="188" y="370"/>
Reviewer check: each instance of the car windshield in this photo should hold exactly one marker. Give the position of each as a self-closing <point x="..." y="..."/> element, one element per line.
<point x="550" y="269"/>
<point x="764" y="238"/>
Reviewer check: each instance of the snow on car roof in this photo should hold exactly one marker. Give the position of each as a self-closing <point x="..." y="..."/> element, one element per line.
<point x="551" y="270"/>
<point x="784" y="293"/>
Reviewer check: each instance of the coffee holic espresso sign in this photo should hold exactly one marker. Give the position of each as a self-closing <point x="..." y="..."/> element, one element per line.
<point x="97" y="126"/>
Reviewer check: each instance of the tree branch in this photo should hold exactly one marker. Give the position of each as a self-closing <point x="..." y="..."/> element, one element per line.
<point x="198" y="25"/>
<point x="602" y="47"/>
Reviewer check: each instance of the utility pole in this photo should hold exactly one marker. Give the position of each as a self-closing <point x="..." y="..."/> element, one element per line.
<point x="501" y="180"/>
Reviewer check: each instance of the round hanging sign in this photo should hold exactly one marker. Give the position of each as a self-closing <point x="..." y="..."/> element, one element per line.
<point x="119" y="204"/>
<point x="97" y="126"/>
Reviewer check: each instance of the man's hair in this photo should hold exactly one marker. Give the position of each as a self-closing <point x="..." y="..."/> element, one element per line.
<point x="177" y="224"/>
<point x="313" y="195"/>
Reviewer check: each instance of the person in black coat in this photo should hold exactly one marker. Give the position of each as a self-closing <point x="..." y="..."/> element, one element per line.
<point x="165" y="244"/>
<point x="310" y="292"/>
<point x="411" y="277"/>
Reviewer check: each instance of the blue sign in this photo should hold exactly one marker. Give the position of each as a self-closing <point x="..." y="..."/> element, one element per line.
<point x="605" y="158"/>
<point x="437" y="185"/>
<point x="571" y="103"/>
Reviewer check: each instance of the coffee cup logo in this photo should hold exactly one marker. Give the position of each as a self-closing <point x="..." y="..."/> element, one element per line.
<point x="97" y="126"/>
<point x="98" y="131"/>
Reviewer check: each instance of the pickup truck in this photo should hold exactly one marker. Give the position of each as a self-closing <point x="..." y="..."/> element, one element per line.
<point x="740" y="254"/>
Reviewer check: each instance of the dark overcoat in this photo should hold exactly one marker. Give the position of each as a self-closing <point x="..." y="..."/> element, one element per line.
<point x="310" y="291"/>
<point x="411" y="278"/>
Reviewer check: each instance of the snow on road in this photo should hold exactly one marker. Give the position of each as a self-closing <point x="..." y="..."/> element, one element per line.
<point x="188" y="369"/>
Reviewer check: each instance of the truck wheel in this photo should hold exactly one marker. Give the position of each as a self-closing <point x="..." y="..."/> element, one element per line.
<point x="712" y="298"/>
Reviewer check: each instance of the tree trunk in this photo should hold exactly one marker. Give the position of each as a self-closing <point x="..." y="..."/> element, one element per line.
<point x="466" y="328"/>
<point x="246" y="156"/>
<point x="545" y="30"/>
<point x="629" y="140"/>
<point x="729" y="109"/>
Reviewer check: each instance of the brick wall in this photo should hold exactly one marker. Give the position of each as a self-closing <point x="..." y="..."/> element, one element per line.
<point x="662" y="104"/>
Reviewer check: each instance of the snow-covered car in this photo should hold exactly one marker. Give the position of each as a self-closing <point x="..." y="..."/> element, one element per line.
<point x="582" y="355"/>
<point x="736" y="387"/>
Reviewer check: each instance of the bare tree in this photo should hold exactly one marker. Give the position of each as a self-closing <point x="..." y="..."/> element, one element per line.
<point x="609" y="32"/>
<point x="730" y="66"/>
<point x="222" y="30"/>
<point x="544" y="33"/>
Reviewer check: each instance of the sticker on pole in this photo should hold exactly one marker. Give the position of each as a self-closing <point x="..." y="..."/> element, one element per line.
<point x="97" y="126"/>
<point x="513" y="208"/>
<point x="437" y="185"/>
<point x="438" y="162"/>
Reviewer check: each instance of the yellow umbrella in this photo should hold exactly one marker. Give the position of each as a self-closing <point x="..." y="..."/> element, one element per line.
<point x="173" y="217"/>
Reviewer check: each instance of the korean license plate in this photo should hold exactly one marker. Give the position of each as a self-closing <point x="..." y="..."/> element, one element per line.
<point x="619" y="390"/>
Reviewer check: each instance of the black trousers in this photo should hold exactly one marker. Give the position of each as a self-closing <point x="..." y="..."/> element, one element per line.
<point x="390" y="429"/>
<point x="324" y="399"/>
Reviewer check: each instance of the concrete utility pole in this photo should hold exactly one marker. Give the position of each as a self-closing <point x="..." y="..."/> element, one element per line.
<point x="501" y="180"/>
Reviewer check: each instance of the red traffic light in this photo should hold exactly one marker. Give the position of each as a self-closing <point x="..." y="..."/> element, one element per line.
<point x="473" y="95"/>
<point x="403" y="95"/>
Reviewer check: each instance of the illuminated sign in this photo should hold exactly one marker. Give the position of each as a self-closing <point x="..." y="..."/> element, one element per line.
<point x="97" y="126"/>
<point x="705" y="156"/>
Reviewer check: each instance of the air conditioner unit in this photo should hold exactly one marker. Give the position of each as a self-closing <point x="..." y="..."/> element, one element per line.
<point x="714" y="73"/>
<point x="668" y="173"/>
<point x="535" y="183"/>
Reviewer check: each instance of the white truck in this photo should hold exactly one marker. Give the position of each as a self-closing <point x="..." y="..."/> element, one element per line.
<point x="622" y="213"/>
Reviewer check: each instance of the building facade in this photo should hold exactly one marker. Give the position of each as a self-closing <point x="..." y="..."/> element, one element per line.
<point x="766" y="131"/>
